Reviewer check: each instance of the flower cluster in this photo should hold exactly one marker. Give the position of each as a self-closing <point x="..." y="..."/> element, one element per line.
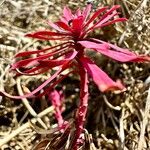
<point x="72" y="31"/>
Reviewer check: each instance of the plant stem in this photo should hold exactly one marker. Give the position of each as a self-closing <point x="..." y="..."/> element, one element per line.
<point x="82" y="106"/>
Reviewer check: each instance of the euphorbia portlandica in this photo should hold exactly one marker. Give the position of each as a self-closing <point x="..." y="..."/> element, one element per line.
<point x="72" y="31"/>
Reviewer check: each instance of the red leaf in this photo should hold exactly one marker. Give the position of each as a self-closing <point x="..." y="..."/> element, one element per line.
<point x="123" y="50"/>
<point x="78" y="12"/>
<point x="122" y="55"/>
<point x="110" y="11"/>
<point x="95" y="15"/>
<point x="86" y="12"/>
<point x="45" y="65"/>
<point x="89" y="44"/>
<point x="28" y="61"/>
<point x="101" y="22"/>
<point x="63" y="25"/>
<point x="46" y="91"/>
<point x="56" y="27"/>
<point x="136" y="58"/>
<point x="30" y="52"/>
<point x="48" y="35"/>
<point x="53" y="63"/>
<point x="23" y="54"/>
<point x="67" y="14"/>
<point x="112" y="22"/>
<point x="40" y="87"/>
<point x="101" y="79"/>
<point x="106" y="17"/>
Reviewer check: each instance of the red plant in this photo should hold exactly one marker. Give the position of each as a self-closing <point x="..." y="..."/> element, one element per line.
<point x="56" y="99"/>
<point x="72" y="30"/>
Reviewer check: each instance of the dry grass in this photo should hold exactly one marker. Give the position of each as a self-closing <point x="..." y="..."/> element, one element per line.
<point x="115" y="120"/>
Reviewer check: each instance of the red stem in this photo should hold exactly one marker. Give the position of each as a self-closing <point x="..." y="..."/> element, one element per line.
<point x="82" y="106"/>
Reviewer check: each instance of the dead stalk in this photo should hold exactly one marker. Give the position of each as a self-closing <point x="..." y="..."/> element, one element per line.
<point x="110" y="105"/>
<point x="121" y="130"/>
<point x="144" y="122"/>
<point x="27" y="105"/>
<point x="25" y="126"/>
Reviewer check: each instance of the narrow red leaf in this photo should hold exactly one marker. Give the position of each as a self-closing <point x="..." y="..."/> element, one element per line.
<point x="122" y="56"/>
<point x="115" y="7"/>
<point x="23" y="54"/>
<point x="46" y="38"/>
<point x="99" y="23"/>
<point x="89" y="44"/>
<point x="46" y="33"/>
<point x="112" y="22"/>
<point x="101" y="79"/>
<point x="30" y="52"/>
<point x="78" y="12"/>
<point x="54" y="63"/>
<point x="51" y="63"/>
<point x="86" y="12"/>
<point x="31" y="94"/>
<point x="63" y="26"/>
<point x="95" y="15"/>
<point x="54" y="84"/>
<point x="114" y="47"/>
<point x="44" y="65"/>
<point x="107" y="16"/>
<point x="56" y="27"/>
<point x="25" y="62"/>
<point x="67" y="13"/>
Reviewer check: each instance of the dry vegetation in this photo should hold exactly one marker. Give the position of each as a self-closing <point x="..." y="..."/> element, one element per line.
<point x="115" y="120"/>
